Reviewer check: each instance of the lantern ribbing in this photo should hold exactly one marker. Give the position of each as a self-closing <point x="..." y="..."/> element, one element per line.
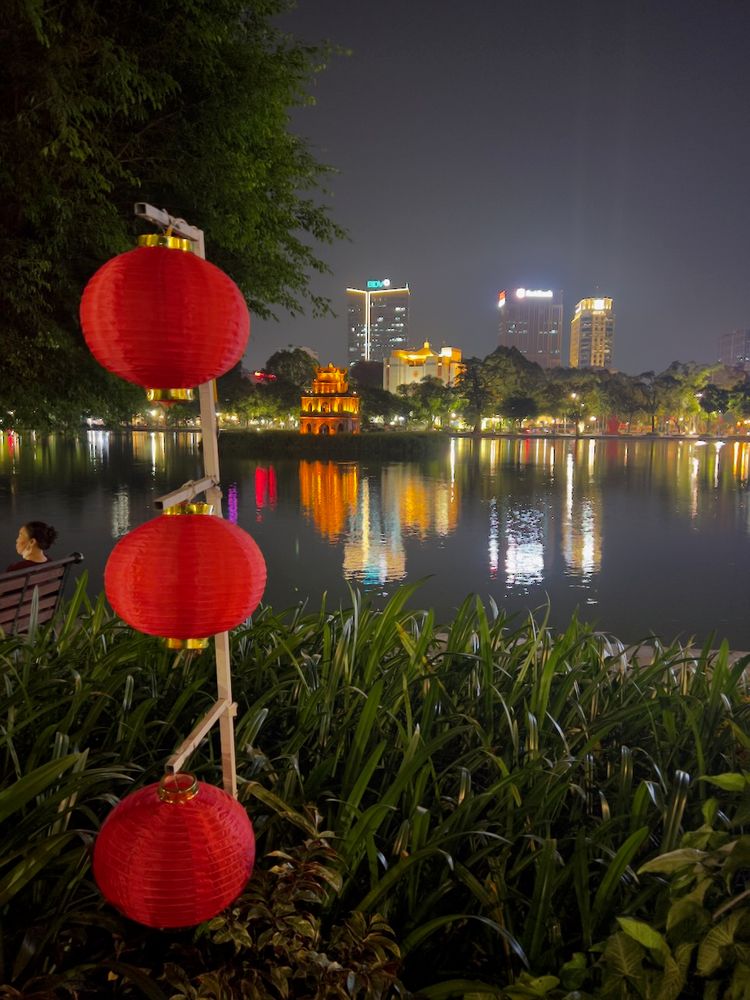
<point x="164" y="318"/>
<point x="174" y="860"/>
<point x="155" y="576"/>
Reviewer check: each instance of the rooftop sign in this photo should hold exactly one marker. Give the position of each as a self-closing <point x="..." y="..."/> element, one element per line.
<point x="534" y="293"/>
<point x="379" y="283"/>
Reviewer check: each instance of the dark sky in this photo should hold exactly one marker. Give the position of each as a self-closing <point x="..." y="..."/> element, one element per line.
<point x="598" y="147"/>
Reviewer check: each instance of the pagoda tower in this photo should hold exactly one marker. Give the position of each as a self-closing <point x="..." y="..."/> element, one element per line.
<point x="330" y="408"/>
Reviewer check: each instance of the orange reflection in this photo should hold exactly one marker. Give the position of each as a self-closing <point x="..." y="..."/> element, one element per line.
<point x="328" y="494"/>
<point x="419" y="505"/>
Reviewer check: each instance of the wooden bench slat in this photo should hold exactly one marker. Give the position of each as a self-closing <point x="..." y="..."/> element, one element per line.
<point x="45" y="600"/>
<point x="12" y="600"/>
<point x="17" y="591"/>
<point x="9" y="593"/>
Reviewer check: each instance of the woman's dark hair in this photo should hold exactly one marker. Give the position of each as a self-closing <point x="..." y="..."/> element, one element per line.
<point x="43" y="534"/>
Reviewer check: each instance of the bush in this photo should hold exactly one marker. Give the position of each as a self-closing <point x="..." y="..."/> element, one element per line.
<point x="490" y="788"/>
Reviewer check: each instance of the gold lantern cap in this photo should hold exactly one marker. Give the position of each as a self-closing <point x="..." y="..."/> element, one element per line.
<point x="165" y="397"/>
<point x="166" y="240"/>
<point x="186" y="643"/>
<point x="178" y="788"/>
<point x="188" y="507"/>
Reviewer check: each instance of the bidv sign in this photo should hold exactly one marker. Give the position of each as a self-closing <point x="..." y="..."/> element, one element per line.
<point x="379" y="283"/>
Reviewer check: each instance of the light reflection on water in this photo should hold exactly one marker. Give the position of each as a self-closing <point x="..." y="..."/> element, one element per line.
<point x="637" y="534"/>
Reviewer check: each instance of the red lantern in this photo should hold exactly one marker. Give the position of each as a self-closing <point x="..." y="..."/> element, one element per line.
<point x="163" y="318"/>
<point x="175" y="853"/>
<point x="185" y="577"/>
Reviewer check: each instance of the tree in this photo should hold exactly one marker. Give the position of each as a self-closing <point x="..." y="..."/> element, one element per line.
<point x="473" y="393"/>
<point x="430" y="400"/>
<point x="518" y="408"/>
<point x="739" y="402"/>
<point x="714" y="401"/>
<point x="484" y="384"/>
<point x="656" y="393"/>
<point x="379" y="403"/>
<point x="182" y="105"/>
<point x="508" y="373"/>
<point x="295" y="366"/>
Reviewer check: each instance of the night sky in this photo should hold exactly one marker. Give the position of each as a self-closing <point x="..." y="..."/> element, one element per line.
<point x="598" y="147"/>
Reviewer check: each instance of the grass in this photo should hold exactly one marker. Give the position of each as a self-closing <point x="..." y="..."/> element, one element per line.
<point x="490" y="787"/>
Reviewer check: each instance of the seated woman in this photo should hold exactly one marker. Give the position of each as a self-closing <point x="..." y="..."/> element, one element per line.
<point x="32" y="543"/>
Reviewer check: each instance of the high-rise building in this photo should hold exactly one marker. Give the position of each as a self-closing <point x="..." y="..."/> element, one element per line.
<point x="531" y="320"/>
<point x="377" y="320"/>
<point x="592" y="334"/>
<point x="734" y="349"/>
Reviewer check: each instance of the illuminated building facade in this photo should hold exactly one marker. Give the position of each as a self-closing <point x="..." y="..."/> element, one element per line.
<point x="592" y="334"/>
<point x="409" y="366"/>
<point x="734" y="349"/>
<point x="531" y="320"/>
<point x="330" y="408"/>
<point x="377" y="319"/>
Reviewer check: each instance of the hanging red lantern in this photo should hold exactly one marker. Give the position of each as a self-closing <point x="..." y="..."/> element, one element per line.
<point x="163" y="318"/>
<point x="174" y="853"/>
<point x="185" y="576"/>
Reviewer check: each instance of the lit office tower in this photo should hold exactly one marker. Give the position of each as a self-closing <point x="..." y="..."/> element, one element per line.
<point x="592" y="334"/>
<point x="734" y="349"/>
<point x="531" y="320"/>
<point x="377" y="320"/>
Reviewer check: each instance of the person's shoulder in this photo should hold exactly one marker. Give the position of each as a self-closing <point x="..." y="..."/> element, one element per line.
<point x="22" y="564"/>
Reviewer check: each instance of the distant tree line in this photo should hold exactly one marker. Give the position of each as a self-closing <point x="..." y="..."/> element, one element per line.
<point x="507" y="387"/>
<point x="503" y="390"/>
<point x="508" y="390"/>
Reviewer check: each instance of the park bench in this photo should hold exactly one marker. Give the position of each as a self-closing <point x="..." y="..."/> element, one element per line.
<point x="17" y="591"/>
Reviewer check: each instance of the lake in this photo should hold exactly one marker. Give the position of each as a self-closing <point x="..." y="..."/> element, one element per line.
<point x="638" y="536"/>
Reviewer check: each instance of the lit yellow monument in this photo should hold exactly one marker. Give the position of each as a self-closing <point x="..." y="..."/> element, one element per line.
<point x="330" y="408"/>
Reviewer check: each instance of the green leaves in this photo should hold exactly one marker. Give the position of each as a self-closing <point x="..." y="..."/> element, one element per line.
<point x="496" y="794"/>
<point x="108" y="107"/>
<point x="17" y="795"/>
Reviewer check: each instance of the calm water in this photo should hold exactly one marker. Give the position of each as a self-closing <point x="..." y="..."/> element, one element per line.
<point x="639" y="536"/>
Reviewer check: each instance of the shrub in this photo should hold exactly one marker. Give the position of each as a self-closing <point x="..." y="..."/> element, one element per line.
<point x="491" y="789"/>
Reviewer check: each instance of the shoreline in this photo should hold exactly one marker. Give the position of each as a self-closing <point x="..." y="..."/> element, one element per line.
<point x="426" y="435"/>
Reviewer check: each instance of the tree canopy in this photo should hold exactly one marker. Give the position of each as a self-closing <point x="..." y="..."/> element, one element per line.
<point x="296" y="365"/>
<point x="184" y="105"/>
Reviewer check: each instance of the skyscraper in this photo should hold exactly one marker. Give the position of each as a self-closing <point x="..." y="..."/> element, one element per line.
<point x="734" y="349"/>
<point x="377" y="320"/>
<point x="592" y="334"/>
<point x="531" y="320"/>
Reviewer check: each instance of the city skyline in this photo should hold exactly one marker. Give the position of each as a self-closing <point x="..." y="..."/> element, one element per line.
<point x="597" y="148"/>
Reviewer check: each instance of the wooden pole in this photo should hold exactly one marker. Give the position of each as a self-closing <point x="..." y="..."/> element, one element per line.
<point x="225" y="709"/>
